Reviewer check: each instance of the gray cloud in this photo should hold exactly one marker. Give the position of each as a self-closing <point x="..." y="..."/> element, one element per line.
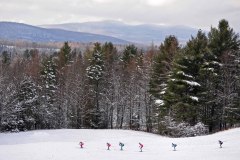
<point x="195" y="13"/>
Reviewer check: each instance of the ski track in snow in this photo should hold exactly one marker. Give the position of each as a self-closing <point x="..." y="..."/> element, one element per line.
<point x="63" y="145"/>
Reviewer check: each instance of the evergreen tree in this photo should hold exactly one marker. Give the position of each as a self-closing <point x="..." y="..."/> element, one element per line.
<point x="26" y="54"/>
<point x="6" y="57"/>
<point x="224" y="44"/>
<point x="64" y="55"/>
<point x="49" y="92"/>
<point x="162" y="66"/>
<point x="108" y="92"/>
<point x="223" y="39"/>
<point x="182" y="101"/>
<point x="184" y="86"/>
<point x="129" y="53"/>
<point x="24" y="107"/>
<point x="95" y="70"/>
<point x="63" y="65"/>
<point x="161" y="69"/>
<point x="95" y="73"/>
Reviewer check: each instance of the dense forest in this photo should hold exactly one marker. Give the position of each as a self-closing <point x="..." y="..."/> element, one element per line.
<point x="171" y="89"/>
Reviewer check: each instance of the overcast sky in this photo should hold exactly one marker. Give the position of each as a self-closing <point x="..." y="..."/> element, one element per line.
<point x="195" y="13"/>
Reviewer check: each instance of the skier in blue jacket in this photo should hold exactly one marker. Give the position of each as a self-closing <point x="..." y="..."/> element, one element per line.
<point x="174" y="146"/>
<point x="121" y="145"/>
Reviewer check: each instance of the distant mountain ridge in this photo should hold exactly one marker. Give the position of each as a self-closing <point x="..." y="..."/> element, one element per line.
<point x="145" y="33"/>
<point x="20" y="31"/>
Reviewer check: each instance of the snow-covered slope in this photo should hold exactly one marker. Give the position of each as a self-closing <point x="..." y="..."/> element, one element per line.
<point x="63" y="145"/>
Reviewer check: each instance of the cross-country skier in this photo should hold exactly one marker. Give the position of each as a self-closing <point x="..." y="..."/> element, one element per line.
<point x="140" y="146"/>
<point x="81" y="144"/>
<point x="108" y="145"/>
<point x="220" y="143"/>
<point x="174" y="146"/>
<point x="121" y="145"/>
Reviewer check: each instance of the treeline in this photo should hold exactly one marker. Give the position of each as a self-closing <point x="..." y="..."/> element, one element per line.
<point x="170" y="90"/>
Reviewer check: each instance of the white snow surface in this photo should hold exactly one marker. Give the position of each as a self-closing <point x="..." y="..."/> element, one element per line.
<point x="194" y="98"/>
<point x="159" y="102"/>
<point x="63" y="145"/>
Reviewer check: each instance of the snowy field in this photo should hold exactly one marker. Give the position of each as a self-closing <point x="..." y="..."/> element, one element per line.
<point x="63" y="145"/>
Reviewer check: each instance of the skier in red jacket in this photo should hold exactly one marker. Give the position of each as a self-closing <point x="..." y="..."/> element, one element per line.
<point x="81" y="144"/>
<point x="140" y="146"/>
<point x="108" y="145"/>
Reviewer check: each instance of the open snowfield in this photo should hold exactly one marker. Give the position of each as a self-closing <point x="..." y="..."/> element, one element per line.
<point x="63" y="145"/>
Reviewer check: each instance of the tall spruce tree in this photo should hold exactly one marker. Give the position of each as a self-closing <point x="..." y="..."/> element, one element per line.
<point x="95" y="73"/>
<point x="64" y="55"/>
<point x="26" y="103"/>
<point x="108" y="92"/>
<point x="224" y="44"/>
<point x="162" y="66"/>
<point x="49" y="93"/>
<point x="184" y="86"/>
<point x="161" y="69"/>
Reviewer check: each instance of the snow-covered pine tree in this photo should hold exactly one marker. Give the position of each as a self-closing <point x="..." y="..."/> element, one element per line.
<point x="147" y="100"/>
<point x="161" y="69"/>
<point x="8" y="116"/>
<point x="95" y="73"/>
<point x="131" y="91"/>
<point x="24" y="106"/>
<point x="108" y="101"/>
<point x="208" y="97"/>
<point x="224" y="44"/>
<point x="184" y="86"/>
<point x="74" y="92"/>
<point x="140" y="91"/>
<point x="126" y="73"/>
<point x="48" y="109"/>
<point x="162" y="66"/>
<point x="63" y="62"/>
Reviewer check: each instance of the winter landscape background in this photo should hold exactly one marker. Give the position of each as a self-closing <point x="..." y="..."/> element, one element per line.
<point x="168" y="89"/>
<point x="63" y="144"/>
<point x="108" y="71"/>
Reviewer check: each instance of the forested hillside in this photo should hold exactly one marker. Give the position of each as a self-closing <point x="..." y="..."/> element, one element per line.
<point x="143" y="34"/>
<point x="13" y="31"/>
<point x="168" y="89"/>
